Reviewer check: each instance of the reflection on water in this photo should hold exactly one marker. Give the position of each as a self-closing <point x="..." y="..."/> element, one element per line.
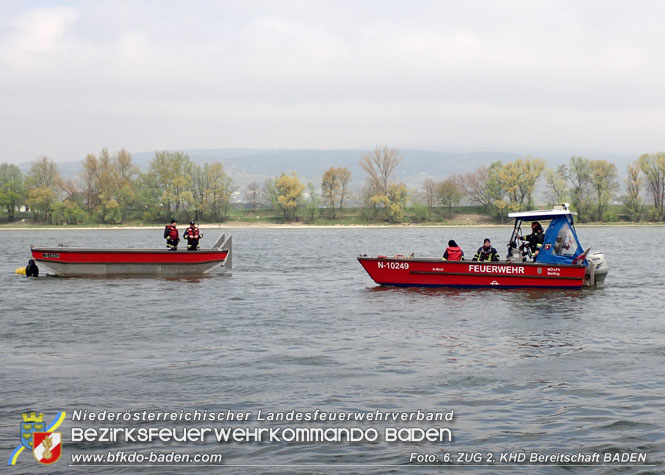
<point x="126" y="278"/>
<point x="193" y="278"/>
<point x="549" y="295"/>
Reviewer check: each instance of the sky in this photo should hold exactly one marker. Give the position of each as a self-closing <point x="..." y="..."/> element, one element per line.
<point x="520" y="76"/>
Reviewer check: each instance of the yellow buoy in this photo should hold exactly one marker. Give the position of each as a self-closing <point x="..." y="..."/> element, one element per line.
<point x="20" y="270"/>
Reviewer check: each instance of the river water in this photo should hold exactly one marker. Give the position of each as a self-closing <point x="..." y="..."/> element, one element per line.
<point x="299" y="325"/>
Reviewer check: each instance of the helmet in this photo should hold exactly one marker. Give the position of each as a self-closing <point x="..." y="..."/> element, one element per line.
<point x="191" y="223"/>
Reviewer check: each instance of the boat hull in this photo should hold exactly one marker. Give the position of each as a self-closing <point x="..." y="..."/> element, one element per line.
<point x="440" y="273"/>
<point x="88" y="262"/>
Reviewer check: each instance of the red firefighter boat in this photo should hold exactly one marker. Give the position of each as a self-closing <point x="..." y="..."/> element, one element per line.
<point x="560" y="263"/>
<point x="75" y="261"/>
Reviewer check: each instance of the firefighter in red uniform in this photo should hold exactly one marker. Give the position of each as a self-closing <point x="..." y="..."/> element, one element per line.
<point x="192" y="235"/>
<point x="171" y="236"/>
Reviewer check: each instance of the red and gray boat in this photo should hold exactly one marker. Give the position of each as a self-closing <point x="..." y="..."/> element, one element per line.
<point x="76" y="261"/>
<point x="561" y="262"/>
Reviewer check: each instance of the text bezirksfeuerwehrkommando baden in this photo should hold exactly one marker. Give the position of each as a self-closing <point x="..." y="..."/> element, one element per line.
<point x="259" y="434"/>
<point x="292" y="415"/>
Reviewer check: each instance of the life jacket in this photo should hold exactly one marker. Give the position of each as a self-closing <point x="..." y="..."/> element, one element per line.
<point x="454" y="253"/>
<point x="171" y="232"/>
<point x="192" y="233"/>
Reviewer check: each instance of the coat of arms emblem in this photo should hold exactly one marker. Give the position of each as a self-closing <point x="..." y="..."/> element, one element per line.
<point x="47" y="446"/>
<point x="39" y="438"/>
<point x="31" y="423"/>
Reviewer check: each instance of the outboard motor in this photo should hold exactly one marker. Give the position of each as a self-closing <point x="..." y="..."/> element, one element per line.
<point x="596" y="270"/>
<point x="31" y="270"/>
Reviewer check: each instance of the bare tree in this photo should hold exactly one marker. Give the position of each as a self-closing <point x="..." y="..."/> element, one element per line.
<point x="269" y="193"/>
<point x="476" y="186"/>
<point x="70" y="189"/>
<point x="429" y="187"/>
<point x="253" y="195"/>
<point x="557" y="184"/>
<point x="380" y="165"/>
<point x="344" y="179"/>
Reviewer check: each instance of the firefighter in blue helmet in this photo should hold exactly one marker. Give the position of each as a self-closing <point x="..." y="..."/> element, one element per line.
<point x="192" y="234"/>
<point x="171" y="236"/>
<point x="486" y="252"/>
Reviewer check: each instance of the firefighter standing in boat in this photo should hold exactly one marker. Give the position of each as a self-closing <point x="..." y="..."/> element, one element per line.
<point x="171" y="236"/>
<point x="192" y="235"/>
<point x="535" y="239"/>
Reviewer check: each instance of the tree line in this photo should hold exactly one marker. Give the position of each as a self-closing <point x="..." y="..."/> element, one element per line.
<point x="110" y="189"/>
<point x="589" y="185"/>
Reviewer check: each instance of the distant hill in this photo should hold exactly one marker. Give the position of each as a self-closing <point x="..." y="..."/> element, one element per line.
<point x="247" y="165"/>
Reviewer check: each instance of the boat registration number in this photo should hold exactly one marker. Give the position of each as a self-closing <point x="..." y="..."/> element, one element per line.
<point x="393" y="265"/>
<point x="52" y="255"/>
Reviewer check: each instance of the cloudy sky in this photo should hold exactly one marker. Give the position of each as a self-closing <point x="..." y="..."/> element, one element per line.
<point x="450" y="75"/>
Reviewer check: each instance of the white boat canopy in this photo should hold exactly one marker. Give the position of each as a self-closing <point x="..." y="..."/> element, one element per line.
<point x="543" y="214"/>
